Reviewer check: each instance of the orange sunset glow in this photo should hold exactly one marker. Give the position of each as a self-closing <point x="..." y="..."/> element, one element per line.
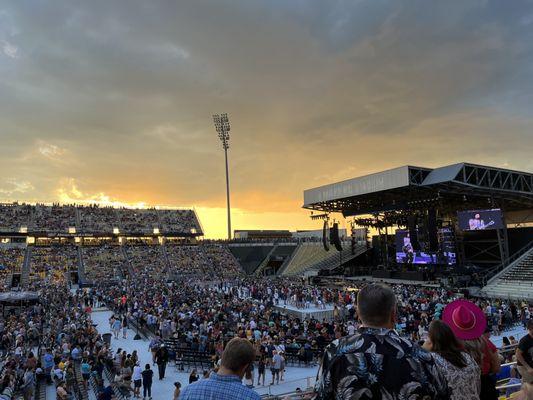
<point x="113" y="105"/>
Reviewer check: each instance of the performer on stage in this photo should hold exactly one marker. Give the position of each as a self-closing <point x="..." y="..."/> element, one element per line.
<point x="476" y="223"/>
<point x="408" y="249"/>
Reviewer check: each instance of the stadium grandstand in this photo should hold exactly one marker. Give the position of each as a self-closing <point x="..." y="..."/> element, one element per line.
<point x="133" y="279"/>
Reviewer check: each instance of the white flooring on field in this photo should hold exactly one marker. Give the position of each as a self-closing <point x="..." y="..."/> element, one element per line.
<point x="311" y="309"/>
<point x="295" y="377"/>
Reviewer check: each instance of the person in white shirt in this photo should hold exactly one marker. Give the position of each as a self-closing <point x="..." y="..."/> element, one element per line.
<point x="137" y="380"/>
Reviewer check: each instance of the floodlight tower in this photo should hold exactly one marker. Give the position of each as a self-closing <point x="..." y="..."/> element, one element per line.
<point x="222" y="127"/>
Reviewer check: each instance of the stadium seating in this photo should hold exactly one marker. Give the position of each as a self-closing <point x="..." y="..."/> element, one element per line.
<point x="149" y="258"/>
<point x="336" y="258"/>
<point x="14" y="216"/>
<point x="53" y="219"/>
<point x="94" y="219"/>
<point x="102" y="262"/>
<point x="515" y="282"/>
<point x="52" y="263"/>
<point x="179" y="221"/>
<point x="305" y="255"/>
<point x="97" y="219"/>
<point x="208" y="260"/>
<point x="11" y="260"/>
<point x="138" y="221"/>
<point x="276" y="258"/>
<point x="251" y="256"/>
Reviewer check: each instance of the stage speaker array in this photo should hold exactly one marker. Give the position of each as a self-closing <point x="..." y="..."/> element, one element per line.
<point x="432" y="230"/>
<point x="413" y="234"/>
<point x="325" y="241"/>
<point x="334" y="236"/>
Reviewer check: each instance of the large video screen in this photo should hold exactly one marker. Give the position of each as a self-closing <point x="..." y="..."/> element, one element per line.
<point x="479" y="220"/>
<point x="406" y="254"/>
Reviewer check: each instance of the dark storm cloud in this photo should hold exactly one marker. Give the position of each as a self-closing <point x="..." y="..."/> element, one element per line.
<point x="117" y="96"/>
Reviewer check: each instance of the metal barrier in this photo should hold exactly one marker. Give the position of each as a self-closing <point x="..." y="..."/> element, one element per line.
<point x="303" y="394"/>
<point x="507" y="349"/>
<point x="306" y="386"/>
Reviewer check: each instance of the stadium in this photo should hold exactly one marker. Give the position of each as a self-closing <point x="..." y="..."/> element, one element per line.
<point x="147" y="276"/>
<point x="266" y="200"/>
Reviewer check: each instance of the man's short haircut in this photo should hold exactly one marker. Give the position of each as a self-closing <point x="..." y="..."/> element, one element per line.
<point x="238" y="353"/>
<point x="375" y="304"/>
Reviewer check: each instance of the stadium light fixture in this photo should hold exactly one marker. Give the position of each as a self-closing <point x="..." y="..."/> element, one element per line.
<point x="222" y="127"/>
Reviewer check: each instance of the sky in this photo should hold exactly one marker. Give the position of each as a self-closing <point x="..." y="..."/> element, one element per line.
<point x="112" y="101"/>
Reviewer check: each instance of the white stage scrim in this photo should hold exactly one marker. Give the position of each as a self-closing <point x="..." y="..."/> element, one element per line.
<point x="311" y="312"/>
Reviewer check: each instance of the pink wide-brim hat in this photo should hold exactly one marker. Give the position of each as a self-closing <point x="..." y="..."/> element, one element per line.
<point x="466" y="320"/>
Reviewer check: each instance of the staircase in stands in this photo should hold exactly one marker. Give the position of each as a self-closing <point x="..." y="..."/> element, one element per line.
<point x="25" y="274"/>
<point x="516" y="280"/>
<point x="81" y="266"/>
<point x="311" y="257"/>
<point x="336" y="259"/>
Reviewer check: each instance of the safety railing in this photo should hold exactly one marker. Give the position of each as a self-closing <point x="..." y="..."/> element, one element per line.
<point x="305" y="385"/>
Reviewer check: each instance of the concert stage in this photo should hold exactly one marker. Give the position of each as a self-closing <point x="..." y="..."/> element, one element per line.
<point x="311" y="312"/>
<point x="457" y="215"/>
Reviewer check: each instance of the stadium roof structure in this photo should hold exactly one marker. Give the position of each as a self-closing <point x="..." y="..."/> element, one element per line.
<point x="455" y="187"/>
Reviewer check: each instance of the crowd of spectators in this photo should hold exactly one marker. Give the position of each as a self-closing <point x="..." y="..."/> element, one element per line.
<point x="14" y="216"/>
<point x="208" y="260"/>
<point x="55" y="218"/>
<point x="148" y="259"/>
<point x="209" y="302"/>
<point x="52" y="341"/>
<point x="58" y="218"/>
<point x="203" y="314"/>
<point x="11" y="260"/>
<point x="97" y="218"/>
<point x="138" y="221"/>
<point x="179" y="221"/>
<point x="103" y="261"/>
<point x="52" y="263"/>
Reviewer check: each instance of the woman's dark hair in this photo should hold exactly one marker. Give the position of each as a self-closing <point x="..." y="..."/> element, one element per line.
<point x="445" y="343"/>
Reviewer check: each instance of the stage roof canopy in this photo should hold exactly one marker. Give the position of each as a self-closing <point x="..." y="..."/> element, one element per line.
<point x="459" y="186"/>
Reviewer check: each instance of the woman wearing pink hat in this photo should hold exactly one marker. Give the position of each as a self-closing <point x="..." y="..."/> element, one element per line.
<point x="468" y="323"/>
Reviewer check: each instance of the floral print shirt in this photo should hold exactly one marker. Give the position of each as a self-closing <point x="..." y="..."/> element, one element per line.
<point x="379" y="364"/>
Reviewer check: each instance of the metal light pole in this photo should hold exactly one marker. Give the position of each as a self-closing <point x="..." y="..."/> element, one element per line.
<point x="222" y="127"/>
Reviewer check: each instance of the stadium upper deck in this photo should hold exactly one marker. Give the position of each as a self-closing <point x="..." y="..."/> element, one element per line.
<point x="73" y="220"/>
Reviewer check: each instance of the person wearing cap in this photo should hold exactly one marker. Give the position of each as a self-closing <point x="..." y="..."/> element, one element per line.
<point x="161" y="359"/>
<point x="524" y="354"/>
<point x="375" y="362"/>
<point x="226" y="383"/>
<point x="468" y="323"/>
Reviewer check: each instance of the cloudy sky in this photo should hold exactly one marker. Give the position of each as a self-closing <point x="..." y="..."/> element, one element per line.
<point x="111" y="101"/>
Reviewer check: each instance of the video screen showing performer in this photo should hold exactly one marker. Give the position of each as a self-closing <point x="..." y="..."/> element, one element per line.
<point x="479" y="220"/>
<point x="406" y="254"/>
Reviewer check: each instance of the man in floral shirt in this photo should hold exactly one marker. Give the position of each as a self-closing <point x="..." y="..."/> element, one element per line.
<point x="375" y="362"/>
